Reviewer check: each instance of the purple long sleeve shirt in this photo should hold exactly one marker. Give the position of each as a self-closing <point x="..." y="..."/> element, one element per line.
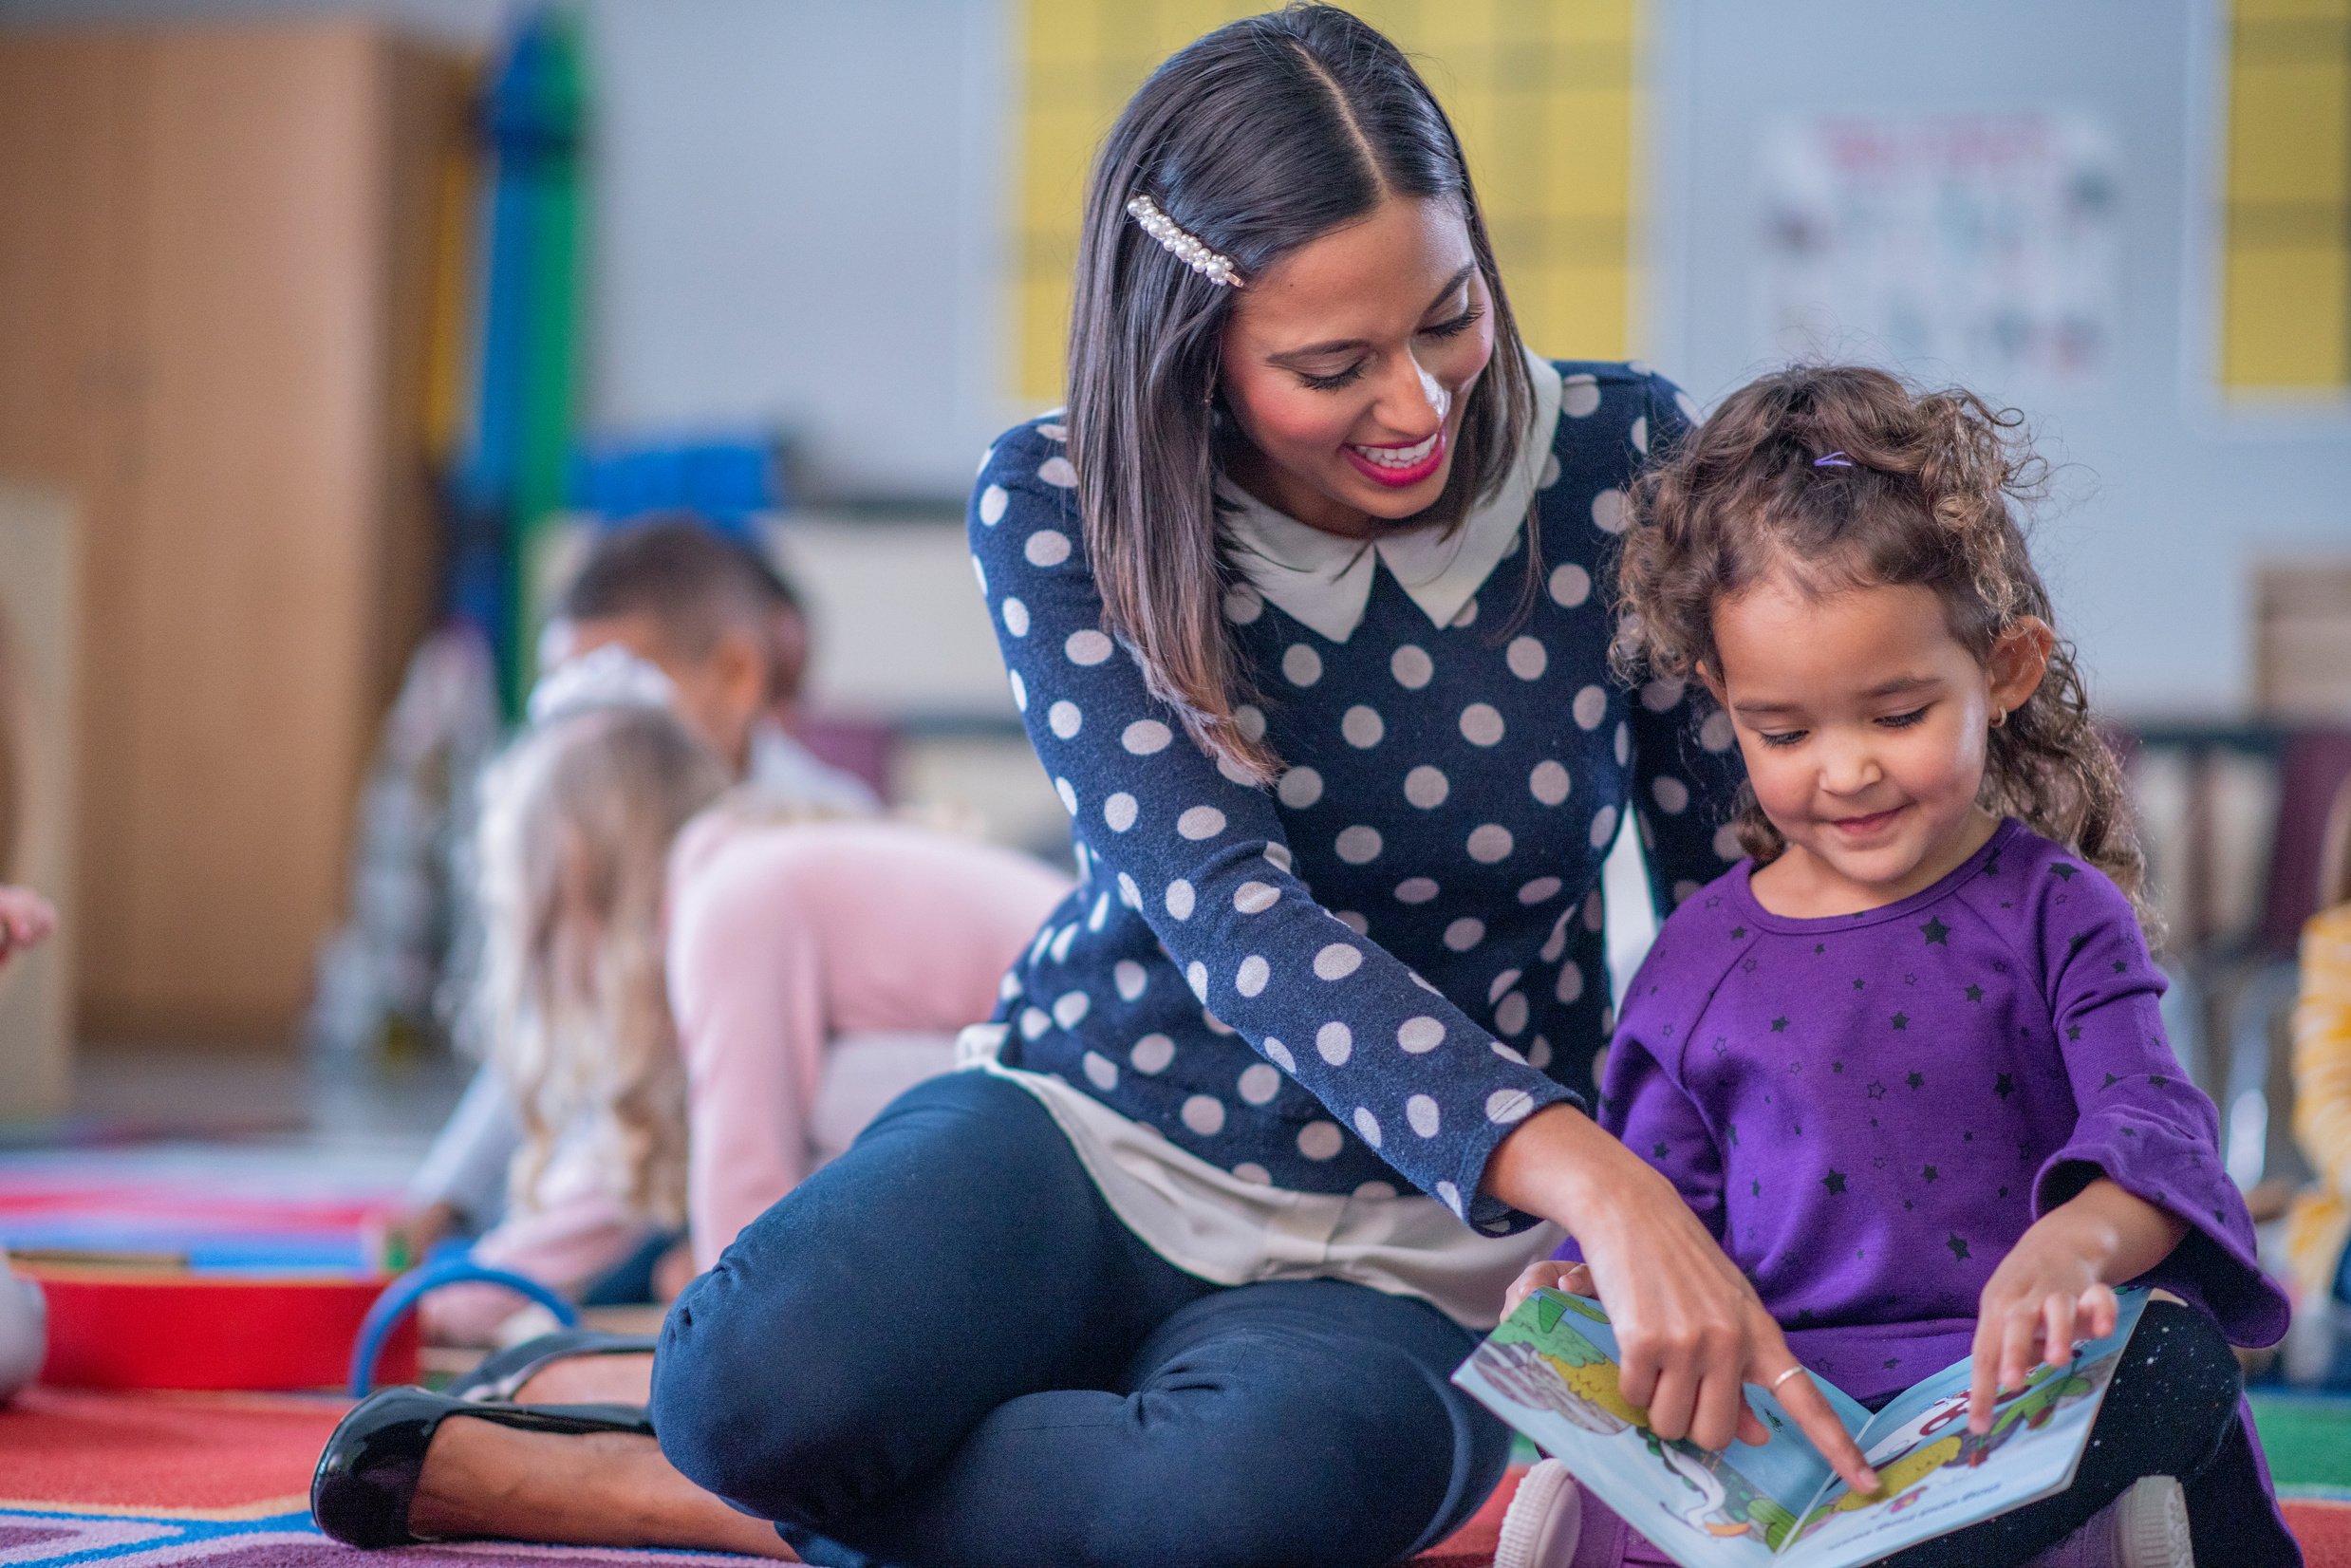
<point x="1869" y="1110"/>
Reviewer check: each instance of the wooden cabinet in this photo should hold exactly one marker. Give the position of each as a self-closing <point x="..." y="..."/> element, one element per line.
<point x="216" y="253"/>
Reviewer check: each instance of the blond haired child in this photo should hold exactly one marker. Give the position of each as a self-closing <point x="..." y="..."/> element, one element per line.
<point x="697" y="994"/>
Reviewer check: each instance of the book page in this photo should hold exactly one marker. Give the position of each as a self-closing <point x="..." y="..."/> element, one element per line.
<point x="1550" y="1370"/>
<point x="1938" y="1477"/>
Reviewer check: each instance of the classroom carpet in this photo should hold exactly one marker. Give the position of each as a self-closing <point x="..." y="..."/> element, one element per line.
<point x="219" y="1480"/>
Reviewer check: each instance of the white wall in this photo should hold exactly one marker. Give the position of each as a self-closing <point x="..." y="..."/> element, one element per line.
<point x="800" y="214"/>
<point x="2173" y="498"/>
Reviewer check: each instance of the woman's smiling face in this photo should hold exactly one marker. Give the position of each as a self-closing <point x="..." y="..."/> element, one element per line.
<point x="1347" y="364"/>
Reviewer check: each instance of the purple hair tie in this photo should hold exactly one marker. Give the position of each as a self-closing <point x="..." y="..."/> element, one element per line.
<point x="1834" y="460"/>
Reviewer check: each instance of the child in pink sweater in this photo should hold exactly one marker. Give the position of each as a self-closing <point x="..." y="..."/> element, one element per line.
<point x="699" y="996"/>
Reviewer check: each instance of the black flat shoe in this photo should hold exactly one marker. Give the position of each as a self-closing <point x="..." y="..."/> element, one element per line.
<point x="368" y="1477"/>
<point x="502" y="1374"/>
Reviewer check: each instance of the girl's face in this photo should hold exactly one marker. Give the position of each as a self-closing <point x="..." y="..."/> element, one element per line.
<point x="1347" y="365"/>
<point x="1864" y="722"/>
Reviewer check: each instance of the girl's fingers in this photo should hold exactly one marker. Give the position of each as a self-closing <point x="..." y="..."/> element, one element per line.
<point x="2058" y="1326"/>
<point x="2020" y="1328"/>
<point x="1577" y="1280"/>
<point x="2100" y="1311"/>
<point x="1982" y="1387"/>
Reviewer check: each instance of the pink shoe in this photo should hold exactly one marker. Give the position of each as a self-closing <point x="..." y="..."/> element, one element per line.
<point x="1544" y="1521"/>
<point x="2145" y="1527"/>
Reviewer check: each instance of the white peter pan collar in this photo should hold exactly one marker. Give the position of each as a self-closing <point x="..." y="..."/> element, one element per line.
<point x="1325" y="581"/>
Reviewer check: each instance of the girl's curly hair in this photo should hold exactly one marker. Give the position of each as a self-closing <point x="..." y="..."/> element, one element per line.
<point x="1927" y="494"/>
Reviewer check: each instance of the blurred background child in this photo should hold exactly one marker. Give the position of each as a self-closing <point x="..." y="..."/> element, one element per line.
<point x="696" y="997"/>
<point x="26" y="918"/>
<point x="718" y="633"/>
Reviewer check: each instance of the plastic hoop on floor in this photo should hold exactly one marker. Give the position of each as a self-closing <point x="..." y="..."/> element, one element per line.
<point x="401" y="1296"/>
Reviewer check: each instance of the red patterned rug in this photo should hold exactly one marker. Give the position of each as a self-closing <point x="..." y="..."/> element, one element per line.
<point x="219" y="1480"/>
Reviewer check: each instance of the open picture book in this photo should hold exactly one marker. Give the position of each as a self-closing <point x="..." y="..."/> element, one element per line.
<point x="1550" y="1370"/>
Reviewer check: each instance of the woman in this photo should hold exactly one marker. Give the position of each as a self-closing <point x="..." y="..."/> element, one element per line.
<point x="1302" y="621"/>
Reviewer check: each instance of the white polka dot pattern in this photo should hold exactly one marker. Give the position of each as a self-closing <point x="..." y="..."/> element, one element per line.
<point x="1398" y="895"/>
<point x="1337" y="961"/>
<point x="1570" y="585"/>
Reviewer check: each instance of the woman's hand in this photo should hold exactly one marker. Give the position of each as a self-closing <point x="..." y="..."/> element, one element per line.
<point x="1691" y="1331"/>
<point x="2056" y="1286"/>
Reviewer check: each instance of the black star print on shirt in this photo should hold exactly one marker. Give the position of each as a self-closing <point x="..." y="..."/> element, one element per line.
<point x="1778" y="1026"/>
<point x="2062" y="871"/>
<point x="1877" y="1090"/>
<point x="1834" y="1181"/>
<point x="2004" y="1087"/>
<point x="1929" y="1174"/>
<point x="1959" y="1247"/>
<point x="1918" y="1080"/>
<point x="1936" y="932"/>
<point x="1975" y="993"/>
<point x="1901" y="1021"/>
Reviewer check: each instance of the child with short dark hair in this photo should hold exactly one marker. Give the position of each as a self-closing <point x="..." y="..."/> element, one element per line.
<point x="1906" y="1059"/>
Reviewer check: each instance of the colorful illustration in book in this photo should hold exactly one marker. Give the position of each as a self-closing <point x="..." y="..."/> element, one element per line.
<point x="1938" y="1437"/>
<point x="1550" y="1370"/>
<point x="1576" y="1379"/>
<point x="1728" y="1504"/>
<point x="1576" y="1382"/>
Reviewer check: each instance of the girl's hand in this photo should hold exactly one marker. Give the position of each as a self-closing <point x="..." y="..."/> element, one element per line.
<point x="1550" y="1274"/>
<point x="1691" y="1331"/>
<point x="26" y="919"/>
<point x="2056" y="1286"/>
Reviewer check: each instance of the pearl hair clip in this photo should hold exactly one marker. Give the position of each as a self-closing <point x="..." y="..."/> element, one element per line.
<point x="1183" y="245"/>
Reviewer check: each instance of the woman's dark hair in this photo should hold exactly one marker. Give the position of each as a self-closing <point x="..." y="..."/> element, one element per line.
<point x="1919" y="488"/>
<point x="1258" y="137"/>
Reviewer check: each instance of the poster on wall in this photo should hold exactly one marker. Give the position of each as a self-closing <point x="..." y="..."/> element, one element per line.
<point x="1983" y="245"/>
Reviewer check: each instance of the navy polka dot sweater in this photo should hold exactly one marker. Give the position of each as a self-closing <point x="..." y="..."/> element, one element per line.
<point x="1382" y="964"/>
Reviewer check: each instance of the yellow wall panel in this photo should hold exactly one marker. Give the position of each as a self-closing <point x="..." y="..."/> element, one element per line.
<point x="2286" y="265"/>
<point x="2291" y="133"/>
<point x="2307" y="347"/>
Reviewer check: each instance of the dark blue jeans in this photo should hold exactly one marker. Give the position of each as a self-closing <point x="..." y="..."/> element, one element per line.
<point x="944" y="1350"/>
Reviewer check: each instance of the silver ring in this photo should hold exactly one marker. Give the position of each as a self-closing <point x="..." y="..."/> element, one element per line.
<point x="1792" y="1371"/>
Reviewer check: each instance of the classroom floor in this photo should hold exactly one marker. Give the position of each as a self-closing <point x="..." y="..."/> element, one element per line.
<point x="284" y="1124"/>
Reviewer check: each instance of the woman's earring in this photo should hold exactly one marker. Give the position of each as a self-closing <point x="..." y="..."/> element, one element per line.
<point x="2000" y="716"/>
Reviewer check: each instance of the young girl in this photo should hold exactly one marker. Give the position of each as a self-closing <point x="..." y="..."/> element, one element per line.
<point x="1905" y="1060"/>
<point x="698" y="997"/>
